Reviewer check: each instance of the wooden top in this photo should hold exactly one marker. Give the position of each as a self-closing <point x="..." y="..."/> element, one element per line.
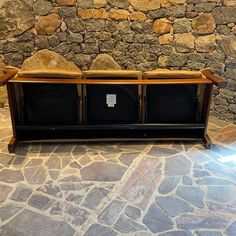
<point x="49" y="74"/>
<point x="109" y="82"/>
<point x="173" y="74"/>
<point x="112" y="73"/>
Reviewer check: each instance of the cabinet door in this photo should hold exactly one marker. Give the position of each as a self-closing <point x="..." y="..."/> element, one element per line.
<point x="50" y="104"/>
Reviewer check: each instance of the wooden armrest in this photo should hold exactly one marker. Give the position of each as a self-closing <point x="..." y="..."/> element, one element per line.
<point x="216" y="80"/>
<point x="8" y="74"/>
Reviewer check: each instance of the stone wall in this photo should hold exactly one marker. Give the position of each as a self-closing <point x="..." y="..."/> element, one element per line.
<point x="138" y="34"/>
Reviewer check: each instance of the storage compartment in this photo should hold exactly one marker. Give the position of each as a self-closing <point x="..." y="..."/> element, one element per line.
<point x="108" y="100"/>
<point x="112" y="104"/>
<point x="175" y="103"/>
<point x="50" y="104"/>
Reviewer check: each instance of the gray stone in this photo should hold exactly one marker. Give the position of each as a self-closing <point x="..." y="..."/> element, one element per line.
<point x="75" y="37"/>
<point x="177" y="165"/>
<point x="80" y="215"/>
<point x="157" y="220"/>
<point x="231" y="230"/>
<point x="15" y="19"/>
<point x="219" y="207"/>
<point x="111" y="212"/>
<point x="74" y="24"/>
<point x="40" y="225"/>
<point x="104" y="62"/>
<point x="174" y="206"/>
<point x="53" y="41"/>
<point x="35" y="175"/>
<point x="182" y="25"/>
<point x="161" y="151"/>
<point x="193" y="195"/>
<point x="128" y="158"/>
<point x="97" y="229"/>
<point x="8" y="210"/>
<point x="40" y="202"/>
<point x="125" y="225"/>
<point x="200" y="173"/>
<point x="53" y="162"/>
<point x="67" y="12"/>
<point x="82" y="59"/>
<point x="177" y="233"/>
<point x="103" y="171"/>
<point x="227" y="44"/>
<point x="204" y="7"/>
<point x="21" y="193"/>
<point x="224" y="15"/>
<point x="213" y="181"/>
<point x="41" y="42"/>
<point x="42" y="7"/>
<point x="85" y="3"/>
<point x="132" y="212"/>
<point x="50" y="188"/>
<point x="4" y="192"/>
<point x="95" y="197"/>
<point x="11" y="176"/>
<point x="75" y="198"/>
<point x="221" y="194"/>
<point x="194" y="221"/>
<point x="208" y="233"/>
<point x="186" y="180"/>
<point x="168" y="184"/>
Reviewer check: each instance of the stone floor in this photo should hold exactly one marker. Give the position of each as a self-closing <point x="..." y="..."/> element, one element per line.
<point x="166" y="189"/>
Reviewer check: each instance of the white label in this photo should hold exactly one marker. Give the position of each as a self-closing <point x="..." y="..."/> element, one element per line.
<point x="111" y="100"/>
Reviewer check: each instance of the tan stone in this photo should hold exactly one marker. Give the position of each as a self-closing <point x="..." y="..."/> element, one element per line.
<point x="204" y="24"/>
<point x="184" y="42"/>
<point x="169" y="3"/>
<point x="101" y="13"/>
<point x="205" y="43"/>
<point x="227" y="44"/>
<point x="118" y="14"/>
<point x="166" y="39"/>
<point x="86" y="13"/>
<point x="104" y="62"/>
<point x="66" y="2"/>
<point x="99" y="3"/>
<point x="162" y="26"/>
<point x="119" y="3"/>
<point x="47" y="25"/>
<point x="162" y="61"/>
<point x="231" y="3"/>
<point x="138" y="16"/>
<point x="145" y="5"/>
<point x="231" y="25"/>
<point x="15" y="18"/>
<point x="48" y="60"/>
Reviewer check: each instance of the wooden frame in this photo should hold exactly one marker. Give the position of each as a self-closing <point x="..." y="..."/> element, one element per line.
<point x="142" y="80"/>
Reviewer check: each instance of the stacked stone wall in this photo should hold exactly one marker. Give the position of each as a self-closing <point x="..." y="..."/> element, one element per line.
<point x="138" y="34"/>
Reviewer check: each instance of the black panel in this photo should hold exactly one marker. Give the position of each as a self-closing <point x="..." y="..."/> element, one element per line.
<point x="171" y="103"/>
<point x="126" y="109"/>
<point x="50" y="104"/>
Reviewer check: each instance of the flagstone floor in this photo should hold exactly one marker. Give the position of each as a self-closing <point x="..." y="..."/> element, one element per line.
<point x="166" y="189"/>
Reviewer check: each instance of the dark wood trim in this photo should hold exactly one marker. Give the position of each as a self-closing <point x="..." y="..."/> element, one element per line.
<point x="216" y="80"/>
<point x="12" y="145"/>
<point x="207" y="141"/>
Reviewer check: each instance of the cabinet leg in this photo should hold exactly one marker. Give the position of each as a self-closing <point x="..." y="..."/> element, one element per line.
<point x="12" y="145"/>
<point x="207" y="143"/>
